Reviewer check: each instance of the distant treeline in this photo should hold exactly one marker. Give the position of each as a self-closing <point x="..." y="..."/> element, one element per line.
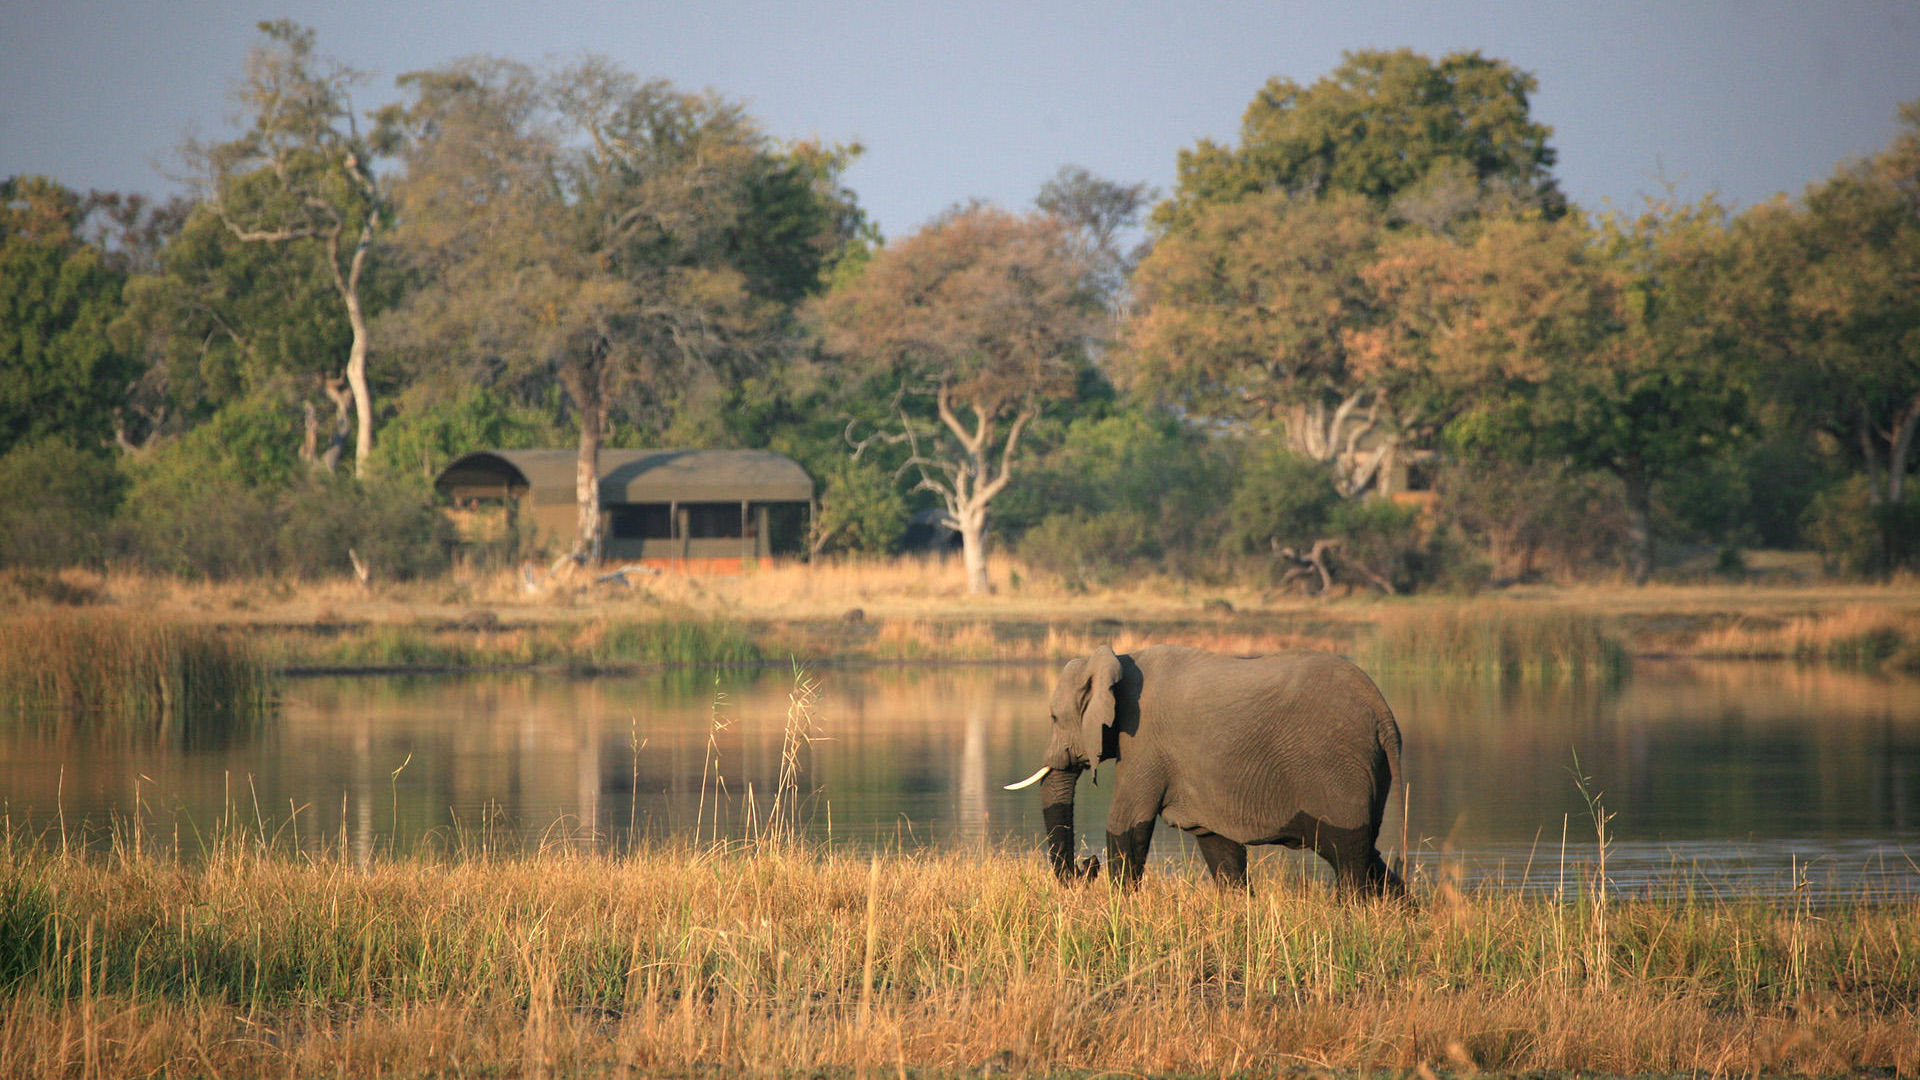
<point x="1370" y="344"/>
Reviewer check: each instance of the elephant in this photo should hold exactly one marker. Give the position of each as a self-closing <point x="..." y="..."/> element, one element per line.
<point x="1297" y="748"/>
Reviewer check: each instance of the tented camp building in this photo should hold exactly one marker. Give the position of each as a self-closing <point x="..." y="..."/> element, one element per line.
<point x="712" y="510"/>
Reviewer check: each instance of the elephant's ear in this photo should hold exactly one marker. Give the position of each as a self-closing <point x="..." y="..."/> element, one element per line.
<point x="1103" y="671"/>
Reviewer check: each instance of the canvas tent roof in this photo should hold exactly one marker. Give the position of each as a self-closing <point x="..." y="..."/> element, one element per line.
<point x="640" y="476"/>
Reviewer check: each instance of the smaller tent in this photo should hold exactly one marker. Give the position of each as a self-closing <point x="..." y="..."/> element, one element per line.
<point x="697" y="509"/>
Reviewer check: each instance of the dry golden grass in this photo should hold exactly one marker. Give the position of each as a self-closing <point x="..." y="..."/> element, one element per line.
<point x="766" y="960"/>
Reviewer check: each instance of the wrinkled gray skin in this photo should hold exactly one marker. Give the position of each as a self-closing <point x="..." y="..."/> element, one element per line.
<point x="1297" y="749"/>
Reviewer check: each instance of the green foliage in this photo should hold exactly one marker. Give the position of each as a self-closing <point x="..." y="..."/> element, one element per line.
<point x="60" y="372"/>
<point x="1378" y="125"/>
<point x="223" y="318"/>
<point x="1753" y="496"/>
<point x="253" y="442"/>
<point x="1381" y="535"/>
<point x="428" y="434"/>
<point x="1666" y="389"/>
<point x="231" y="499"/>
<point x="201" y="506"/>
<point x="861" y="508"/>
<point x="1279" y="498"/>
<point x="1121" y="492"/>
<point x="1252" y="308"/>
<point x="57" y="504"/>
<point x="1827" y="300"/>
<point x="212" y="528"/>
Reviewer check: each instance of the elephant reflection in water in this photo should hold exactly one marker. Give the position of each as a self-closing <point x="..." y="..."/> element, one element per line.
<point x="1297" y="749"/>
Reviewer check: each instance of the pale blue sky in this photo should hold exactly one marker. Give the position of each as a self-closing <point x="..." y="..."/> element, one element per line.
<point x="987" y="100"/>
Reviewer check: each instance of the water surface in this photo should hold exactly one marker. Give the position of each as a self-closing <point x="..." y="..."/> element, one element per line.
<point x="1749" y="779"/>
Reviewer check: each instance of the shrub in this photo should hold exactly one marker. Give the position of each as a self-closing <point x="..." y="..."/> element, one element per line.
<point x="1533" y="518"/>
<point x="1120" y="492"/>
<point x="57" y="505"/>
<point x="198" y="526"/>
<point x="860" y="508"/>
<point x="396" y="532"/>
<point x="1279" y="498"/>
<point x="1855" y="535"/>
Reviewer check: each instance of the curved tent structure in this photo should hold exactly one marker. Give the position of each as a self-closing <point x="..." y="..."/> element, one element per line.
<point x="716" y="509"/>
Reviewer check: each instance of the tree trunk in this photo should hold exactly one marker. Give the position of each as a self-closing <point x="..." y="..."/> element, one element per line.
<point x="329" y="459"/>
<point x="309" y="434"/>
<point x="348" y="284"/>
<point x="1900" y="448"/>
<point x="586" y="486"/>
<point x="972" y="522"/>
<point x="1639" y="524"/>
<point x="975" y="481"/>
<point x="362" y="397"/>
<point x="1334" y="439"/>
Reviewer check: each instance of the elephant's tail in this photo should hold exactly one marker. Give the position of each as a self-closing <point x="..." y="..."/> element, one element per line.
<point x="1388" y="734"/>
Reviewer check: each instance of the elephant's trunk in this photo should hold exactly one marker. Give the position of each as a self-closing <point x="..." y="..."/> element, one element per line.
<point x="1056" y="811"/>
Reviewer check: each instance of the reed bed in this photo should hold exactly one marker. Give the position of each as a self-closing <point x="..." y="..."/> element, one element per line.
<point x="113" y="671"/>
<point x="774" y="958"/>
<point x="1858" y="636"/>
<point x="587" y="644"/>
<point x="1495" y="641"/>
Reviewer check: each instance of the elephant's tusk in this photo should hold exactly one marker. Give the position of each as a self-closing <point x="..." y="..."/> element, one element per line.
<point x="1031" y="780"/>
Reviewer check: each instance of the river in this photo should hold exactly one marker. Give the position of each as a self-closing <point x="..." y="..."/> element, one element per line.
<point x="1766" y="780"/>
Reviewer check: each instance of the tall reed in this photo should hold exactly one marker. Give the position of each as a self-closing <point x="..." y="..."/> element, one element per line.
<point x="1859" y="636"/>
<point x="600" y="642"/>
<point x="129" y="672"/>
<point x="1495" y="640"/>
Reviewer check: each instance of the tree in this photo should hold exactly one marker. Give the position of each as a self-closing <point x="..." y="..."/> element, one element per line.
<point x="1606" y="349"/>
<point x="1247" y="315"/>
<point x="1254" y="300"/>
<point x="1671" y="386"/>
<point x="987" y="314"/>
<point x="1832" y="291"/>
<point x="1101" y="213"/>
<point x="219" y="319"/>
<point x="1465" y="323"/>
<point x="1379" y="125"/>
<point x="60" y="371"/>
<point x="613" y="235"/>
<point x="301" y="178"/>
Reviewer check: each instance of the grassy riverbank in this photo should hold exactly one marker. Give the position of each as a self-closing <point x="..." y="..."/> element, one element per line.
<point x="780" y="960"/>
<point x="912" y="611"/>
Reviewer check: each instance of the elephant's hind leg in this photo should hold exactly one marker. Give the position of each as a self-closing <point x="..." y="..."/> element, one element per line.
<point x="1357" y="866"/>
<point x="1226" y="859"/>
